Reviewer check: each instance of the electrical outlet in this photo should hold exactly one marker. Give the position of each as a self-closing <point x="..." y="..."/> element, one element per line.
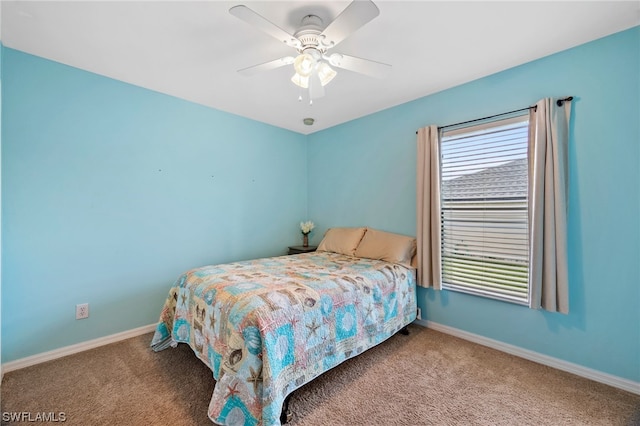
<point x="419" y="314"/>
<point x="82" y="311"/>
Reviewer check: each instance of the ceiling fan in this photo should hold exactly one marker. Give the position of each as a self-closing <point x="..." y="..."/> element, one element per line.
<point x="312" y="40"/>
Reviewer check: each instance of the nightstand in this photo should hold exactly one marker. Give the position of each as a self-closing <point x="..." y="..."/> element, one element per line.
<point x="301" y="249"/>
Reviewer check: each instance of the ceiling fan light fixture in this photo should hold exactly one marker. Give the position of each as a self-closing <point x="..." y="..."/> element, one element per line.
<point x="301" y="81"/>
<point x="326" y="73"/>
<point x="304" y="64"/>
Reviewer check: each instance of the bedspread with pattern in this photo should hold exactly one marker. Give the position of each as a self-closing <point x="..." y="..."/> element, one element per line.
<point x="266" y="327"/>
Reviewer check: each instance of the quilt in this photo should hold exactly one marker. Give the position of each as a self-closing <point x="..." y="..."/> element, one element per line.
<point x="266" y="327"/>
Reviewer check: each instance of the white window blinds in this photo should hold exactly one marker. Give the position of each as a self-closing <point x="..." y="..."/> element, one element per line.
<point x="484" y="210"/>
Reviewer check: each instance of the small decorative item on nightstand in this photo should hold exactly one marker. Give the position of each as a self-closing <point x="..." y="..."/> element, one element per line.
<point x="306" y="227"/>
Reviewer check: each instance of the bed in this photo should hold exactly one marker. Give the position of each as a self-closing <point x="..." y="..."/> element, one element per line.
<point x="266" y="327"/>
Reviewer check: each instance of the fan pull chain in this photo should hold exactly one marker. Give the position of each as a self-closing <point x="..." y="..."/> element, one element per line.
<point x="300" y="98"/>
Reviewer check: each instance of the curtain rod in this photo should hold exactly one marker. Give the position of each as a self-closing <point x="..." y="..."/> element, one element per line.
<point x="559" y="102"/>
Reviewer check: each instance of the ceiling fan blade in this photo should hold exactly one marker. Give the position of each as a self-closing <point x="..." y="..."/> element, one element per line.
<point x="358" y="13"/>
<point x="249" y="16"/>
<point x="255" y="69"/>
<point x="359" y="65"/>
<point x="316" y="90"/>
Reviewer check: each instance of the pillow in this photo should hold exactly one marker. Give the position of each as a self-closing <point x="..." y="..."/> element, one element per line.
<point x="393" y="248"/>
<point x="342" y="240"/>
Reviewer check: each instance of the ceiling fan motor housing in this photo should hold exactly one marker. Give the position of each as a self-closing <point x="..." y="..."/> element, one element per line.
<point x="309" y="34"/>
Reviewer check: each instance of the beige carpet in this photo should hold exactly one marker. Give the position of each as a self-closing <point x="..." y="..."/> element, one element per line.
<point x="426" y="378"/>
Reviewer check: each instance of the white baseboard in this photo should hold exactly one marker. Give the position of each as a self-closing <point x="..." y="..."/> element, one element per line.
<point x="578" y="370"/>
<point x="79" y="347"/>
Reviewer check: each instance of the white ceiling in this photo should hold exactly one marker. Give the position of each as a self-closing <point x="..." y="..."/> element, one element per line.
<point x="192" y="50"/>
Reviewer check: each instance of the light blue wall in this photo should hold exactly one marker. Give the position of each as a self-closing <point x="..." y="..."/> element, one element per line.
<point x="111" y="191"/>
<point x="363" y="173"/>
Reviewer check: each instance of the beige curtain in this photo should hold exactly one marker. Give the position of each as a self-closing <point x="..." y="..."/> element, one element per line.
<point x="428" y="208"/>
<point x="548" y="170"/>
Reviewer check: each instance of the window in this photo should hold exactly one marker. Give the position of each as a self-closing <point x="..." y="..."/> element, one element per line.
<point x="484" y="226"/>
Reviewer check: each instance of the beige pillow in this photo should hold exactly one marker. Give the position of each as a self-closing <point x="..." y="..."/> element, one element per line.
<point x="394" y="248"/>
<point x="342" y="240"/>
